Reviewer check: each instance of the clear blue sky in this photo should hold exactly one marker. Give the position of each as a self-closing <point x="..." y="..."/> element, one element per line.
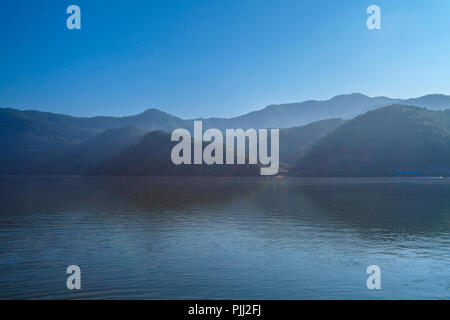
<point x="216" y="57"/>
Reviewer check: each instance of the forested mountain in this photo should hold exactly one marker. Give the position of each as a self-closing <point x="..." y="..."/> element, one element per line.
<point x="152" y="157"/>
<point x="296" y="141"/>
<point x="32" y="140"/>
<point x="83" y="157"/>
<point x="46" y="143"/>
<point x="393" y="140"/>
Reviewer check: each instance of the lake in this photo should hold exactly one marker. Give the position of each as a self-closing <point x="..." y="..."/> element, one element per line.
<point x="224" y="238"/>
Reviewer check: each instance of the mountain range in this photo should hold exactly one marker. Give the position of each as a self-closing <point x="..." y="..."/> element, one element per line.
<point x="46" y="143"/>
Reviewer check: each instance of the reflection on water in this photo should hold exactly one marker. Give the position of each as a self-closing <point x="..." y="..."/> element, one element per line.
<point x="235" y="238"/>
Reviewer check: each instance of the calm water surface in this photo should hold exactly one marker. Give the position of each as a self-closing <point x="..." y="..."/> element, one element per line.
<point x="224" y="238"/>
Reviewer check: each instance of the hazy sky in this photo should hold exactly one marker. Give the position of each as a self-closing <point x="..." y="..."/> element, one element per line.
<point x="216" y="57"/>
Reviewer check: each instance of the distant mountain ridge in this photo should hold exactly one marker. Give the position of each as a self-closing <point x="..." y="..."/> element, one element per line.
<point x="150" y="119"/>
<point x="37" y="142"/>
<point x="345" y="106"/>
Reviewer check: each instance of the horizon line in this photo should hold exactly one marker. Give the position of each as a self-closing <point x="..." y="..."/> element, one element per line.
<point x="218" y="117"/>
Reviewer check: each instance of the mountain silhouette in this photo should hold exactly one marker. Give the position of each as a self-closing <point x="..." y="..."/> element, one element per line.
<point x="296" y="141"/>
<point x="152" y="157"/>
<point x="37" y="142"/>
<point x="388" y="141"/>
<point x="91" y="153"/>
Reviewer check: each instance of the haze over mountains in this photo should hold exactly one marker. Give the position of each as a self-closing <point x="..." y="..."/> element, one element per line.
<point x="152" y="157"/>
<point x="288" y="115"/>
<point x="46" y="143"/>
<point x="393" y="140"/>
